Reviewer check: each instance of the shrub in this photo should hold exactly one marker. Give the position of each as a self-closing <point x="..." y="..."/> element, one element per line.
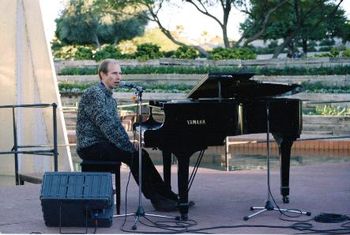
<point x="108" y="51"/>
<point x="83" y="53"/>
<point x="65" y="52"/>
<point x="148" y="51"/>
<point x="327" y="42"/>
<point x="169" y="54"/>
<point x="333" y="70"/>
<point x="186" y="52"/>
<point x="232" y="53"/>
<point x="334" y="52"/>
<point x="346" y="53"/>
<point x="330" y="110"/>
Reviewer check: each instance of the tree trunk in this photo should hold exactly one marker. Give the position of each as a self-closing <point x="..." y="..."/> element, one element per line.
<point x="225" y="37"/>
<point x="98" y="45"/>
<point x="305" y="49"/>
<point x="280" y="48"/>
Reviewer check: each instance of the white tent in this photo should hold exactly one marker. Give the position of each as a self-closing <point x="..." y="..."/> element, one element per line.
<point x="27" y="76"/>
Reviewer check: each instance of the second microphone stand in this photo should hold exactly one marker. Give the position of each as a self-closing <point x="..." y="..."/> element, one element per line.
<point x="269" y="205"/>
<point x="140" y="212"/>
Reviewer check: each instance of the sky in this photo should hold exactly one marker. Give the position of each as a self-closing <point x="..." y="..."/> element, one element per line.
<point x="195" y="22"/>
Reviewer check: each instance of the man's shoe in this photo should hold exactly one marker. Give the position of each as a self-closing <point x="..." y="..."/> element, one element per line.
<point x="190" y="204"/>
<point x="165" y="205"/>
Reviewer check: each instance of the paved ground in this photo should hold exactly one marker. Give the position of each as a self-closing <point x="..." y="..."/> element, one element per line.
<point x="222" y="200"/>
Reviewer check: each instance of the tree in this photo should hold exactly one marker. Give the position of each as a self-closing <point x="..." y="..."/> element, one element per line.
<point x="153" y="7"/>
<point x="295" y="20"/>
<point x="203" y="6"/>
<point x="259" y="18"/>
<point x="96" y="22"/>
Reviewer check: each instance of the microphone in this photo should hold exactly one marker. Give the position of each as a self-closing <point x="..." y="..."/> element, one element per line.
<point x="130" y="86"/>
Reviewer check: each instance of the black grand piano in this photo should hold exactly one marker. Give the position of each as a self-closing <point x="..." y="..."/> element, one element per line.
<point x="224" y="105"/>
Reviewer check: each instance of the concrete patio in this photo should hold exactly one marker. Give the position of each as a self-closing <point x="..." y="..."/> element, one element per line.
<point x="222" y="200"/>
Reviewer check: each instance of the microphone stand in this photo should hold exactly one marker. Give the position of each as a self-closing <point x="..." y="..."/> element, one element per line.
<point x="269" y="206"/>
<point x="140" y="212"/>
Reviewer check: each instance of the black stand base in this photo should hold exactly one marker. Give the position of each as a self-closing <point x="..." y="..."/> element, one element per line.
<point x="270" y="207"/>
<point x="141" y="213"/>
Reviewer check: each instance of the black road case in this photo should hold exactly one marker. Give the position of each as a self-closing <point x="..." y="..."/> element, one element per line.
<point x="77" y="199"/>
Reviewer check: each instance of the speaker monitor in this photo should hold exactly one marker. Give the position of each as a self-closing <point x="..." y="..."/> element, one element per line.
<point x="77" y="199"/>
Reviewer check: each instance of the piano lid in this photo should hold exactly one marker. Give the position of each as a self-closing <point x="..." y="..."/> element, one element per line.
<point x="238" y="85"/>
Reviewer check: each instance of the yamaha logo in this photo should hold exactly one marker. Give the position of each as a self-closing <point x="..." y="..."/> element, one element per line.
<point x="196" y="122"/>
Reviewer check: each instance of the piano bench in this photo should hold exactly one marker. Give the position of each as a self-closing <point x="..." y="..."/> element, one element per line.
<point x="105" y="166"/>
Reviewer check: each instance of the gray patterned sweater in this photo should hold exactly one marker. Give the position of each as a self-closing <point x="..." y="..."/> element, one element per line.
<point x="98" y="120"/>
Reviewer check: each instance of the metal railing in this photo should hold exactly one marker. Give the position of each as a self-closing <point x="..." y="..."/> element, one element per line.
<point x="41" y="149"/>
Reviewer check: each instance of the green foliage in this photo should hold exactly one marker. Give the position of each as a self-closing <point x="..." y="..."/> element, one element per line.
<point x="324" y="48"/>
<point x="97" y="22"/>
<point x="296" y="22"/>
<point x="79" y="71"/>
<point x="318" y="87"/>
<point x="148" y="51"/>
<point x="186" y="52"/>
<point x="64" y="53"/>
<point x="330" y="110"/>
<point x="108" y="51"/>
<point x="232" y="53"/>
<point x="79" y="88"/>
<point x="75" y="88"/>
<point x="334" y="70"/>
<point x="83" y="53"/>
<point x="171" y="88"/>
<point x="74" y="52"/>
<point x="169" y="54"/>
<point x="327" y="42"/>
<point x="346" y="53"/>
<point x="335" y="52"/>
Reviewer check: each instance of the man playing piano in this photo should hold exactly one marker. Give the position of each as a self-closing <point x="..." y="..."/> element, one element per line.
<point x="101" y="136"/>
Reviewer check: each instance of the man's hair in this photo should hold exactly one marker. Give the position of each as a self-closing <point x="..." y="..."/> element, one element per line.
<point x="104" y="66"/>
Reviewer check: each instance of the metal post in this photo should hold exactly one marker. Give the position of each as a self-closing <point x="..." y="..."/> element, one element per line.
<point x="227" y="163"/>
<point x="55" y="152"/>
<point x="15" y="145"/>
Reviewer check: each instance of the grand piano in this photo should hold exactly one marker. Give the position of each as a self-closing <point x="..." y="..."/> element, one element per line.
<point x="222" y="105"/>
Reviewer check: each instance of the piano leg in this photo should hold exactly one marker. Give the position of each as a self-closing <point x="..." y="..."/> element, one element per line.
<point x="285" y="146"/>
<point x="183" y="173"/>
<point x="167" y="168"/>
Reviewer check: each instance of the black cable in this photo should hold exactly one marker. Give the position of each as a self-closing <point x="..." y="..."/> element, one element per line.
<point x="303" y="228"/>
<point x="175" y="223"/>
<point x="195" y="169"/>
<point x="300" y="226"/>
<point x="330" y="218"/>
<point x="346" y="225"/>
<point x="169" y="227"/>
<point x="126" y="201"/>
<point x="285" y="213"/>
<point x="293" y="220"/>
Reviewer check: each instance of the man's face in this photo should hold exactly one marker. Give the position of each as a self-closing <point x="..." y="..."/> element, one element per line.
<point x="112" y="78"/>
